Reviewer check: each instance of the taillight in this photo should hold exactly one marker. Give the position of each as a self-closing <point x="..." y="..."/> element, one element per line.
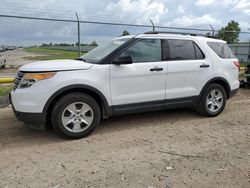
<point x="237" y="64"/>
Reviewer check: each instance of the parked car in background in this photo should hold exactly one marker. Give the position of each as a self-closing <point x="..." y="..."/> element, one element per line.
<point x="5" y="48"/>
<point x="247" y="75"/>
<point x="2" y="62"/>
<point x="131" y="74"/>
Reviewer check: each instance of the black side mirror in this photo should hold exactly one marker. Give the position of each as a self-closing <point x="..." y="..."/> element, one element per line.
<point x="123" y="60"/>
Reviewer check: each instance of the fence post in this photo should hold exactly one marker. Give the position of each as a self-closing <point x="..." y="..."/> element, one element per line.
<point x="213" y="33"/>
<point x="152" y="24"/>
<point x="79" y="39"/>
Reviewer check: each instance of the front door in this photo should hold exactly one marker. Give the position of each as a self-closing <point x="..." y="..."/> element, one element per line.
<point x="144" y="80"/>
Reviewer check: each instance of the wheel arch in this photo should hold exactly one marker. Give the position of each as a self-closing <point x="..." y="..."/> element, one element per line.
<point x="93" y="92"/>
<point x="218" y="80"/>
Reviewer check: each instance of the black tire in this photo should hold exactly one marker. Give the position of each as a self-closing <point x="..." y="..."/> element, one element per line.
<point x="63" y="103"/>
<point x="202" y="106"/>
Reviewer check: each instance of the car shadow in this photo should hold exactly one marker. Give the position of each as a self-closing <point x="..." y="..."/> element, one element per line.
<point x="140" y="120"/>
<point x="15" y="134"/>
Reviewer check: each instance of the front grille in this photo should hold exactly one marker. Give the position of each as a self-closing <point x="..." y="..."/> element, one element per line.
<point x="17" y="79"/>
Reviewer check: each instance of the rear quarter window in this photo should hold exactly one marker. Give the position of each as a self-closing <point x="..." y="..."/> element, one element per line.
<point x="222" y="50"/>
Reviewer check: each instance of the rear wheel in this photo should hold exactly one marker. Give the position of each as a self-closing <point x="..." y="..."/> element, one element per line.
<point x="75" y="115"/>
<point x="212" y="101"/>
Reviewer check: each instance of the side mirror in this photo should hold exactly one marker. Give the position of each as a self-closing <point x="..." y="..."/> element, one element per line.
<point x="123" y="60"/>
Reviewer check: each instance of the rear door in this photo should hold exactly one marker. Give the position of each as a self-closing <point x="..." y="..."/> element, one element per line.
<point x="188" y="68"/>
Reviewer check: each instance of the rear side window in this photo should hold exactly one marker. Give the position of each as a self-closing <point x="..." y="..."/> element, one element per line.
<point x="222" y="50"/>
<point x="184" y="50"/>
<point x="199" y="54"/>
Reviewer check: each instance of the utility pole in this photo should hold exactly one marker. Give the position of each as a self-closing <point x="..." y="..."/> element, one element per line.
<point x="79" y="39"/>
<point x="152" y="24"/>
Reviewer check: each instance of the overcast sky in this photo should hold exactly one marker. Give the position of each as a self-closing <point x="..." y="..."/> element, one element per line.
<point x="181" y="13"/>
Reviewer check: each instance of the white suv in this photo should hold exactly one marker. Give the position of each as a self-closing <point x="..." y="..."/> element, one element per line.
<point x="146" y="72"/>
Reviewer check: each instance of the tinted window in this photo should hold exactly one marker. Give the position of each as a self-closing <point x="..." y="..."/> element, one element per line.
<point x="222" y="50"/>
<point x="181" y="50"/>
<point x="146" y="50"/>
<point x="199" y="54"/>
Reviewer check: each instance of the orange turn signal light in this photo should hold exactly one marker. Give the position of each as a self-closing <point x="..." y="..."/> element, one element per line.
<point x="38" y="76"/>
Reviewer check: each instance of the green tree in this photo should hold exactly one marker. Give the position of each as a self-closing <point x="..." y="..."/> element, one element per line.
<point x="230" y="37"/>
<point x="124" y="33"/>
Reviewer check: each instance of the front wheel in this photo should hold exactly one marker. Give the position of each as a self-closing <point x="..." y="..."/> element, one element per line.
<point x="75" y="115"/>
<point x="212" y="101"/>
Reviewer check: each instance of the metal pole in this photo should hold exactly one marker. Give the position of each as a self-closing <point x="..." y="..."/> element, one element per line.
<point x="79" y="39"/>
<point x="212" y="30"/>
<point x="152" y="24"/>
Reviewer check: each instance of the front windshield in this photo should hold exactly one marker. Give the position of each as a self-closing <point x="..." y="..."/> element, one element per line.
<point x="97" y="54"/>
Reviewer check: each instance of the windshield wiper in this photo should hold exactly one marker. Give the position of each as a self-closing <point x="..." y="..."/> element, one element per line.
<point x="80" y="59"/>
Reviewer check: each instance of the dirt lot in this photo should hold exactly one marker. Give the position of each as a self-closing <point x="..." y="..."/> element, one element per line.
<point x="159" y="149"/>
<point x="17" y="57"/>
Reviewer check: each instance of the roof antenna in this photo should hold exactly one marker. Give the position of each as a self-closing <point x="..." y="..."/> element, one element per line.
<point x="152" y="24"/>
<point x="212" y="30"/>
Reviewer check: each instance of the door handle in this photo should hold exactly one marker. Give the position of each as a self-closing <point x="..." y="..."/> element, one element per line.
<point x="204" y="66"/>
<point x="156" y="69"/>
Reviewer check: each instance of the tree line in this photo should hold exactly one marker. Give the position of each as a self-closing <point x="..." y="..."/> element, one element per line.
<point x="93" y="43"/>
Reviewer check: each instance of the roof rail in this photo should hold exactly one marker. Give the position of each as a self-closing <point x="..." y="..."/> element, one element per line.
<point x="179" y="33"/>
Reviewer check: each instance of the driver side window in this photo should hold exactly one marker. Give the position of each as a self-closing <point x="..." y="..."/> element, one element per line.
<point x="145" y="50"/>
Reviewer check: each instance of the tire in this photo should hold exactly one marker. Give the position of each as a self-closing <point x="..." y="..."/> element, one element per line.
<point x="210" y="99"/>
<point x="75" y="115"/>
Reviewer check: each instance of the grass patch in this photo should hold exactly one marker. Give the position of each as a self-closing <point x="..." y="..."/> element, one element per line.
<point x="50" y="54"/>
<point x="5" y="90"/>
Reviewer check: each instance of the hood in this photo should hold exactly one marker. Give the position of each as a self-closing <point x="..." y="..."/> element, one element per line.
<point x="55" y="65"/>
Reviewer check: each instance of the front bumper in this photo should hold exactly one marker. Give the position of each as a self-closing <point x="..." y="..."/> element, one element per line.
<point x="33" y="120"/>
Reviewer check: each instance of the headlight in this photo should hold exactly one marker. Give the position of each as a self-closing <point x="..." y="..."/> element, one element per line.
<point x="30" y="78"/>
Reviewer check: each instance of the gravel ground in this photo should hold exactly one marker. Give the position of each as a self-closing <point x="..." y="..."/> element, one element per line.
<point x="175" y="148"/>
<point x="17" y="57"/>
<point x="8" y="72"/>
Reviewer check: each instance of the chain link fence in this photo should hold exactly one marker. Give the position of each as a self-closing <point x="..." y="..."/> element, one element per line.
<point x="242" y="51"/>
<point x="43" y="38"/>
